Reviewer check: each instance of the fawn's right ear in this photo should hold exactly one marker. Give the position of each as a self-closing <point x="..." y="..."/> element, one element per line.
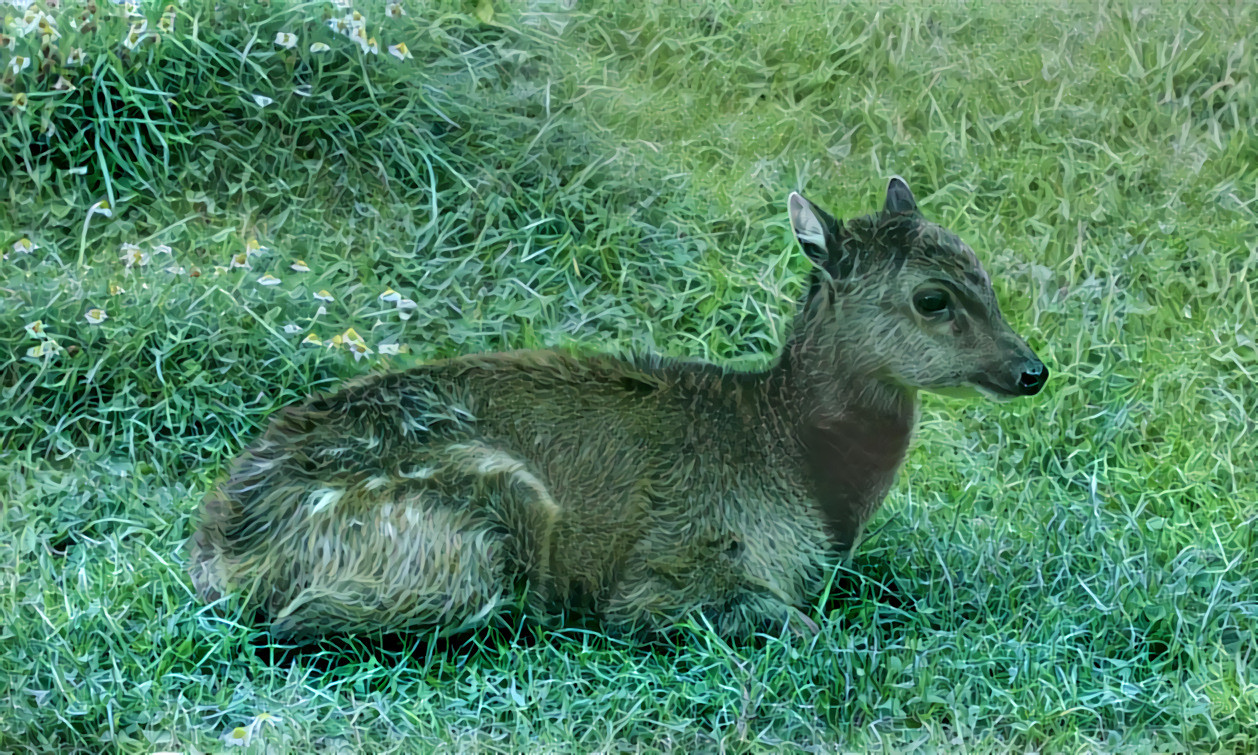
<point x="814" y="228"/>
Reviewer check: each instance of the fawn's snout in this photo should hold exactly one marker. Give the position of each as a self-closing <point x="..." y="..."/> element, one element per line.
<point x="1021" y="376"/>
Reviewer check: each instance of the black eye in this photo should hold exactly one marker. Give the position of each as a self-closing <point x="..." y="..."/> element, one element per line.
<point x="931" y="301"/>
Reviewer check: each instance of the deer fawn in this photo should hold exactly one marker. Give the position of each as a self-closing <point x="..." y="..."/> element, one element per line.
<point x="645" y="490"/>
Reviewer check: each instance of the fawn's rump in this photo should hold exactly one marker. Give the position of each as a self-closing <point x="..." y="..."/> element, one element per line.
<point x="443" y="549"/>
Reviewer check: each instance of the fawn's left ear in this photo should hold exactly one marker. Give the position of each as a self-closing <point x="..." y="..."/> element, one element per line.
<point x="814" y="228"/>
<point x="899" y="198"/>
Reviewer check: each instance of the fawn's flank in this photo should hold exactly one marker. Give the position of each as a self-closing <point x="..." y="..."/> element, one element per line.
<point x="645" y="490"/>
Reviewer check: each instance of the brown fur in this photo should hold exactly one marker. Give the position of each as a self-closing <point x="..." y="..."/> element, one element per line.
<point x="645" y="489"/>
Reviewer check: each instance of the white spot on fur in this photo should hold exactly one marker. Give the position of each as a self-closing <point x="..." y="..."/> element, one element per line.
<point x="324" y="498"/>
<point x="489" y="461"/>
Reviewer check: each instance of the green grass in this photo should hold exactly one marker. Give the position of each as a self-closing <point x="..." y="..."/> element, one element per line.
<point x="1074" y="572"/>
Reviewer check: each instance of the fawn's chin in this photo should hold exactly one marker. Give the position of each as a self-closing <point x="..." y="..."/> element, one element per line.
<point x="958" y="391"/>
<point x="971" y="391"/>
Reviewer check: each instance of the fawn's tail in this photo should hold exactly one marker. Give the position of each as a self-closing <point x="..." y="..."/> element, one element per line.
<point x="205" y="564"/>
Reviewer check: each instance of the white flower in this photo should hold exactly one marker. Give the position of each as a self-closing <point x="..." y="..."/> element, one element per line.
<point x="25" y="246"/>
<point x="390" y="295"/>
<point x="252" y="247"/>
<point x="324" y="295"/>
<point x="358" y="349"/>
<point x="300" y="266"/>
<point x="312" y="340"/>
<point x="136" y="34"/>
<point x="96" y="316"/>
<point x="400" y="51"/>
<point x="167" y="22"/>
<point x="132" y="256"/>
<point x="394" y="10"/>
<point x="286" y="39"/>
<point x="19" y="63"/>
<point x="263" y="719"/>
<point x="319" y="47"/>
<point x="292" y="329"/>
<point x="269" y="280"/>
<point x="354" y="342"/>
<point x="237" y="737"/>
<point x="39" y="350"/>
<point x="36" y="329"/>
<point x="239" y="260"/>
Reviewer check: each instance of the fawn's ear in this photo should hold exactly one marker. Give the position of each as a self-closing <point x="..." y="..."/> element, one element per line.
<point x="899" y="198"/>
<point x="815" y="229"/>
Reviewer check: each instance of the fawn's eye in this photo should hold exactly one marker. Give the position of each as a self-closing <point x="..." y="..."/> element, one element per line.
<point x="932" y="301"/>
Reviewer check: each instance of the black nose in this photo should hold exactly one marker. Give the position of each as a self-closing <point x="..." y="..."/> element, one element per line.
<point x="1033" y="378"/>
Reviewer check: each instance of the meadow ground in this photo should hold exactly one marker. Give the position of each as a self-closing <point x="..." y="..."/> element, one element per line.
<point x="1073" y="572"/>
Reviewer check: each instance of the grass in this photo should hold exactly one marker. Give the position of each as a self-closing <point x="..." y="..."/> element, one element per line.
<point x="1072" y="573"/>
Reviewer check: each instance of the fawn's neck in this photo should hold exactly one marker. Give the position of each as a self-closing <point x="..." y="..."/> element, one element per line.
<point x="851" y="429"/>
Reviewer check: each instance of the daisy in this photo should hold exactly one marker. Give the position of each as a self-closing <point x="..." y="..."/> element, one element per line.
<point x="131" y="256"/>
<point x="39" y="350"/>
<point x="167" y="21"/>
<point x="237" y="737"/>
<point x="96" y="316"/>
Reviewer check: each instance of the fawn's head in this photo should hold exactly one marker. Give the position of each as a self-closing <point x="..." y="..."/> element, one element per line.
<point x="906" y="301"/>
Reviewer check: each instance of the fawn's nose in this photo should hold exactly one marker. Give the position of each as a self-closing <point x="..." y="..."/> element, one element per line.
<point x="1034" y="376"/>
